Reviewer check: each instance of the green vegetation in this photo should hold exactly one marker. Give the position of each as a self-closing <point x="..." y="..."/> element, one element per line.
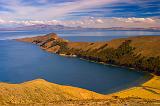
<point x="123" y="55"/>
<point x="63" y="46"/>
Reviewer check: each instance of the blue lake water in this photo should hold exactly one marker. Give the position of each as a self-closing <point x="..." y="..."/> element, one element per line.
<point x="21" y="62"/>
<point x="78" y="35"/>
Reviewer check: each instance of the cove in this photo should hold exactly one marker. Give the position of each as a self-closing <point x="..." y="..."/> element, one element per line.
<point x="20" y="62"/>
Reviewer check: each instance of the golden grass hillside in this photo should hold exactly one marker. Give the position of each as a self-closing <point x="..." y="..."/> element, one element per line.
<point x="41" y="91"/>
<point x="145" y="45"/>
<point x="148" y="90"/>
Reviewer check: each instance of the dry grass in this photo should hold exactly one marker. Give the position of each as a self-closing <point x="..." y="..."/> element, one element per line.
<point x="40" y="92"/>
<point x="146" y="45"/>
<point x="148" y="90"/>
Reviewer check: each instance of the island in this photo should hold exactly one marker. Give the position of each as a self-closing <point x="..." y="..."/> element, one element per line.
<point x="141" y="53"/>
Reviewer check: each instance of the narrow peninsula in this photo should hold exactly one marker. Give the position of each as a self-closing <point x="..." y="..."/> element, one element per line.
<point x="141" y="52"/>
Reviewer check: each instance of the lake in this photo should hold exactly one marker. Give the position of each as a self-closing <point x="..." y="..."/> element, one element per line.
<point x="78" y="35"/>
<point x="21" y="62"/>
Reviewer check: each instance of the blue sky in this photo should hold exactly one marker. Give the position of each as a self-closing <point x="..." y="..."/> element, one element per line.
<point x="78" y="11"/>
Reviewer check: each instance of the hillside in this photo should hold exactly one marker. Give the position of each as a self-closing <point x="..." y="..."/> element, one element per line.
<point x="145" y="45"/>
<point x="40" y="92"/>
<point x="141" y="52"/>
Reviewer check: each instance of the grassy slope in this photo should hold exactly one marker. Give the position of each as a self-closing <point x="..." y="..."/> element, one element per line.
<point x="148" y="90"/>
<point x="146" y="45"/>
<point x="42" y="92"/>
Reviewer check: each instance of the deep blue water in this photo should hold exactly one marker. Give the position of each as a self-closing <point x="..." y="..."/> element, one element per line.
<point x="21" y="62"/>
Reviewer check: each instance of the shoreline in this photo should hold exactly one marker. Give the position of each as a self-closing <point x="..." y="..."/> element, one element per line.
<point x="141" y="80"/>
<point x="146" y="90"/>
<point x="148" y="76"/>
<point x="37" y="40"/>
<point x="103" y="63"/>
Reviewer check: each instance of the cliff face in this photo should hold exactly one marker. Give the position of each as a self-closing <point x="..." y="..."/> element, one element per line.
<point x="141" y="52"/>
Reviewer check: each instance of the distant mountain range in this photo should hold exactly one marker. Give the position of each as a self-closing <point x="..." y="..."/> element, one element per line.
<point x="62" y="27"/>
<point x="123" y="28"/>
<point x="41" y="27"/>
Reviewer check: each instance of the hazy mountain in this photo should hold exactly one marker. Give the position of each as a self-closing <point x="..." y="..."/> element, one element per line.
<point x="62" y="27"/>
<point x="42" y="27"/>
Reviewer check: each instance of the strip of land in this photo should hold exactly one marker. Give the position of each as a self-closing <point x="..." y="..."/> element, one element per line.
<point x="141" y="52"/>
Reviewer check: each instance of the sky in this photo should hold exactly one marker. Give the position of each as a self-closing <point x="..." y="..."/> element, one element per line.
<point x="84" y="13"/>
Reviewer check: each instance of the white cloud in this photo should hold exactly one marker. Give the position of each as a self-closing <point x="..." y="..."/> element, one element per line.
<point x="133" y="20"/>
<point x="99" y="21"/>
<point x="94" y="22"/>
<point x="49" y="11"/>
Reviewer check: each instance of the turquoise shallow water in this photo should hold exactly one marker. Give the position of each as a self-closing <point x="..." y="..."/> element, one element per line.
<point x="21" y="62"/>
